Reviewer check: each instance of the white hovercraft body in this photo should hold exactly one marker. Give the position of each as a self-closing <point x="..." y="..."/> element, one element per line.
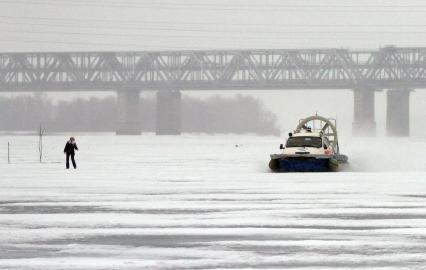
<point x="310" y="148"/>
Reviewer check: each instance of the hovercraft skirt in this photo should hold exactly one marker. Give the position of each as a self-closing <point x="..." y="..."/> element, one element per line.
<point x="303" y="164"/>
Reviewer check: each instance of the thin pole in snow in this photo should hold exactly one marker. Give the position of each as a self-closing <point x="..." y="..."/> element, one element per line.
<point x="40" y="142"/>
<point x="8" y="152"/>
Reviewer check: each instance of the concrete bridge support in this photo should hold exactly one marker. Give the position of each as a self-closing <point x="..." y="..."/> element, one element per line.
<point x="128" y="112"/>
<point x="168" y="113"/>
<point x="364" y="124"/>
<point x="398" y="113"/>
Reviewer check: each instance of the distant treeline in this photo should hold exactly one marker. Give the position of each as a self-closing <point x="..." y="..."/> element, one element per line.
<point x="240" y="114"/>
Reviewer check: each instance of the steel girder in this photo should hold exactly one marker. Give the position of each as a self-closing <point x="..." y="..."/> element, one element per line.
<point x="209" y="70"/>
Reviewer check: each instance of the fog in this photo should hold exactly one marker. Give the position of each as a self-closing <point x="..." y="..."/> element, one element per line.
<point x="46" y="25"/>
<point x="127" y="25"/>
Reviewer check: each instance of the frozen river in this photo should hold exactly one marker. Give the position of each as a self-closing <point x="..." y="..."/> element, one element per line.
<point x="200" y="202"/>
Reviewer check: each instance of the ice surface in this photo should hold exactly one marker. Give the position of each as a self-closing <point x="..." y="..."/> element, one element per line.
<point x="200" y="202"/>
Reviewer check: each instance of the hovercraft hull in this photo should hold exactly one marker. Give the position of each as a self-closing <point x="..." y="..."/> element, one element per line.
<point x="311" y="163"/>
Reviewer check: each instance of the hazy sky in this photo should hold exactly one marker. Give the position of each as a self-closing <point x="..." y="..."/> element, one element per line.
<point x="92" y="25"/>
<point x="34" y="25"/>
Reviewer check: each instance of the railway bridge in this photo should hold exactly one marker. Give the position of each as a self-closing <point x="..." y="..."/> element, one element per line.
<point x="395" y="70"/>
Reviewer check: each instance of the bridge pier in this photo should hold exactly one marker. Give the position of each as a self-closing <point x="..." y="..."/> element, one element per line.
<point x="168" y="121"/>
<point x="364" y="124"/>
<point x="398" y="113"/>
<point x="128" y="112"/>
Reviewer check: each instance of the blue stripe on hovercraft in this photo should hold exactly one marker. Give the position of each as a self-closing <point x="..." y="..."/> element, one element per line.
<point x="304" y="165"/>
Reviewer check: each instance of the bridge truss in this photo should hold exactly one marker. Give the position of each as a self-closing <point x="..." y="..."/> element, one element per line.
<point x="214" y="70"/>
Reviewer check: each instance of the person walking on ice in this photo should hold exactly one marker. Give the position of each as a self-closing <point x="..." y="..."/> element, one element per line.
<point x="69" y="151"/>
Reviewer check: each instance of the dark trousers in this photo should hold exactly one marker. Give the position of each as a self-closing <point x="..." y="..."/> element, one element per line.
<point x="72" y="159"/>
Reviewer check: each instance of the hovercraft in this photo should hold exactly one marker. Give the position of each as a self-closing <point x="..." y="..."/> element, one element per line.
<point x="312" y="147"/>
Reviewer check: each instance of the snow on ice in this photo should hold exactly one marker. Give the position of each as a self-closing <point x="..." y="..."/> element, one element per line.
<point x="197" y="201"/>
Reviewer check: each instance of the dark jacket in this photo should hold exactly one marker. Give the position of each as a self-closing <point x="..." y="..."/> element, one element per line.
<point x="69" y="148"/>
